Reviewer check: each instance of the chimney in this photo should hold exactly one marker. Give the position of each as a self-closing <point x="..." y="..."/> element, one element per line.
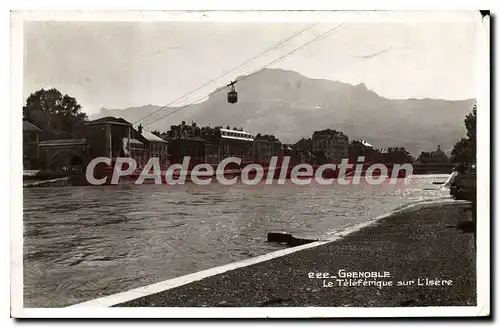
<point x="140" y="129"/>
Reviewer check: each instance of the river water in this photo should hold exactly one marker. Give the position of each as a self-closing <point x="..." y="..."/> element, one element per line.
<point x="82" y="243"/>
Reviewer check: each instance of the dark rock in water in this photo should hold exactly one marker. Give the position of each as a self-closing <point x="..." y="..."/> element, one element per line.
<point x="289" y="239"/>
<point x="279" y="237"/>
<point x="298" y="240"/>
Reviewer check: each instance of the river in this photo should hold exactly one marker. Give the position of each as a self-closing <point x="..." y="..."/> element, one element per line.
<point x="82" y="243"/>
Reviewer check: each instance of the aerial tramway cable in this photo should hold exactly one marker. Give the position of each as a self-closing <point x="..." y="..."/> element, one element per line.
<point x="276" y="45"/>
<point x="247" y="76"/>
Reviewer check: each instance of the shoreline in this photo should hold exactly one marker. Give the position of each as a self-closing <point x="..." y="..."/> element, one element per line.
<point x="77" y="181"/>
<point x="260" y="173"/>
<point x="142" y="294"/>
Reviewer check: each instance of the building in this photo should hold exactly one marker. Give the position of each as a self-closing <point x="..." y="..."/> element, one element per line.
<point x="180" y="147"/>
<point x="145" y="145"/>
<point x="212" y="153"/>
<point x="115" y="137"/>
<point x="331" y="143"/>
<point x="440" y="156"/>
<point x="265" y="147"/>
<point x="229" y="143"/>
<point x="69" y="155"/>
<point x="362" y="148"/>
<point x="292" y="153"/>
<point x="184" y="140"/>
<point x="304" y="144"/>
<point x="307" y="157"/>
<point x="365" y="143"/>
<point x="236" y="143"/>
<point x="139" y="151"/>
<point x="109" y="137"/>
<point x="31" y="137"/>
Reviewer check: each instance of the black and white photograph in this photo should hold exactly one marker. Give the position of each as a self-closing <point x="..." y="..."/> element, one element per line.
<point x="185" y="164"/>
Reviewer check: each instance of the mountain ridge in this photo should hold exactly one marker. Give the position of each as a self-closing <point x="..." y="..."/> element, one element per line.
<point x="292" y="106"/>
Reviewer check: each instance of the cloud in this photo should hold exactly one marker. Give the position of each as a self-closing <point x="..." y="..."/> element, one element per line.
<point x="383" y="51"/>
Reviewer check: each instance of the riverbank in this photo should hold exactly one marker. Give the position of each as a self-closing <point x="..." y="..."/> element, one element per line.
<point x="59" y="182"/>
<point x="414" y="247"/>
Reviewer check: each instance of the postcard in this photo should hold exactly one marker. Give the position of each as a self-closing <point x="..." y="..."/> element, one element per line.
<point x="186" y="164"/>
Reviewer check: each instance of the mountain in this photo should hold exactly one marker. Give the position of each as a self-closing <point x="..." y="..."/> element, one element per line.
<point x="292" y="106"/>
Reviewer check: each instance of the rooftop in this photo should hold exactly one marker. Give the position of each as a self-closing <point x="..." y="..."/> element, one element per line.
<point x="328" y="132"/>
<point x="365" y="143"/>
<point x="236" y="135"/>
<point x="150" y="136"/>
<point x="135" y="141"/>
<point x="192" y="138"/>
<point x="110" y="119"/>
<point x="234" y="131"/>
<point x="30" y="127"/>
<point x="237" y="138"/>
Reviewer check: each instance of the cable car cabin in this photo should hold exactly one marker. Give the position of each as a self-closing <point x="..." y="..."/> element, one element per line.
<point x="232" y="96"/>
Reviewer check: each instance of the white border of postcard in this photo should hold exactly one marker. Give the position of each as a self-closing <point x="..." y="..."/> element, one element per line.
<point x="483" y="161"/>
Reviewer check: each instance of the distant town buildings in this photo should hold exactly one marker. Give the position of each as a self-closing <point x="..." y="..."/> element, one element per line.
<point x="265" y="147"/>
<point x="105" y="137"/>
<point x="362" y="148"/>
<point x="236" y="143"/>
<point x="115" y="137"/>
<point x="152" y="146"/>
<point x="209" y="145"/>
<point x="330" y="144"/>
<point x="299" y="155"/>
<point x="304" y="144"/>
<point x="433" y="157"/>
<point x="184" y="140"/>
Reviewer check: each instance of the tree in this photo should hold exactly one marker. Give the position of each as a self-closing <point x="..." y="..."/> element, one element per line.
<point x="55" y="113"/>
<point x="470" y="123"/>
<point x="464" y="151"/>
<point x="425" y="157"/>
<point x="398" y="155"/>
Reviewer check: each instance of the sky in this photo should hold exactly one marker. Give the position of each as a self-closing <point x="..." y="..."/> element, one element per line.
<point x="124" y="64"/>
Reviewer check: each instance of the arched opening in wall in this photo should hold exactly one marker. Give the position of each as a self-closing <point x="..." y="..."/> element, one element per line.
<point x="65" y="160"/>
<point x="57" y="162"/>
<point x="76" y="161"/>
<point x="76" y="164"/>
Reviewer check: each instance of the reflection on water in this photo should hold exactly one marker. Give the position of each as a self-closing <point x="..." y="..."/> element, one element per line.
<point x="86" y="242"/>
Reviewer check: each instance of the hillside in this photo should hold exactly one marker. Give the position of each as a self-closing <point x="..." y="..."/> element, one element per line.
<point x="292" y="106"/>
